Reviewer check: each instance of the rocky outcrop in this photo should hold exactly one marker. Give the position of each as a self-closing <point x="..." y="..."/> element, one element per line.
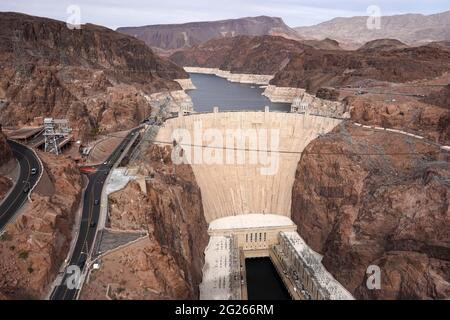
<point x="173" y="101"/>
<point x="178" y="36"/>
<point x="34" y="246"/>
<point x="366" y="198"/>
<point x="430" y="121"/>
<point x="328" y="94"/>
<point x="5" y="151"/>
<point x="440" y="98"/>
<point x="186" y="84"/>
<point x="383" y="44"/>
<point x="264" y="55"/>
<point x="5" y="157"/>
<point x="95" y="77"/>
<point x="325" y="44"/>
<point x="282" y="94"/>
<point x="301" y="101"/>
<point x="5" y="186"/>
<point x="168" y="264"/>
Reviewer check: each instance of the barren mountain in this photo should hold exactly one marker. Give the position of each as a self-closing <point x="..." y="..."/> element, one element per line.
<point x="179" y="36"/>
<point x="95" y="77"/>
<point x="412" y="29"/>
<point x="243" y="54"/>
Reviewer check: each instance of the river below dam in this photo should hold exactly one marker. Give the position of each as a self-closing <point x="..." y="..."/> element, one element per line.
<point x="263" y="281"/>
<point x="213" y="91"/>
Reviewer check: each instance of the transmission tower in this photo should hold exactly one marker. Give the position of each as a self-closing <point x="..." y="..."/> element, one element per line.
<point x="54" y="131"/>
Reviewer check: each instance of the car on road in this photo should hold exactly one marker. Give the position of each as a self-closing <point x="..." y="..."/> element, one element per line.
<point x="26" y="189"/>
<point x="93" y="224"/>
<point x="96" y="202"/>
<point x="33" y="171"/>
<point x="82" y="262"/>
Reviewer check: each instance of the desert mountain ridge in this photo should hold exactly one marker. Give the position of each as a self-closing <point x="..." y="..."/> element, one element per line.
<point x="171" y="37"/>
<point x="352" y="33"/>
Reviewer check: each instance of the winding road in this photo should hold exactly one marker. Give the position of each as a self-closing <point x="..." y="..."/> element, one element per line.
<point x="26" y="181"/>
<point x="89" y="220"/>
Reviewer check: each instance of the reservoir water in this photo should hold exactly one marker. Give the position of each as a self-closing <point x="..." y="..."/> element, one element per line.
<point x="263" y="281"/>
<point x="213" y="91"/>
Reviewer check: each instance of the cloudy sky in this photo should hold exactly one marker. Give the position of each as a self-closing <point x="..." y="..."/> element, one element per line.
<point x="116" y="13"/>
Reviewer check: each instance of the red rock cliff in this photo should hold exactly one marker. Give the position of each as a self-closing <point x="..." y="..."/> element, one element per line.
<point x="362" y="198"/>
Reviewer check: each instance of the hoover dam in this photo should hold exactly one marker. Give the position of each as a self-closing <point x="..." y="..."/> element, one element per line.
<point x="230" y="187"/>
<point x="245" y="164"/>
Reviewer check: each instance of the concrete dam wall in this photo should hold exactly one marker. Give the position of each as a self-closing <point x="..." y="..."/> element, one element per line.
<point x="244" y="162"/>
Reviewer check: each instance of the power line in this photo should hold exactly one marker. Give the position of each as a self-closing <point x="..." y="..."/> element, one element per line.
<point x="284" y="151"/>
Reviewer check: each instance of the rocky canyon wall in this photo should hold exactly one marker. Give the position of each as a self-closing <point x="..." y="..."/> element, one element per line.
<point x="364" y="198"/>
<point x="429" y="121"/>
<point x="34" y="246"/>
<point x="95" y="77"/>
<point x="5" y="151"/>
<point x="5" y="157"/>
<point x="168" y="263"/>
